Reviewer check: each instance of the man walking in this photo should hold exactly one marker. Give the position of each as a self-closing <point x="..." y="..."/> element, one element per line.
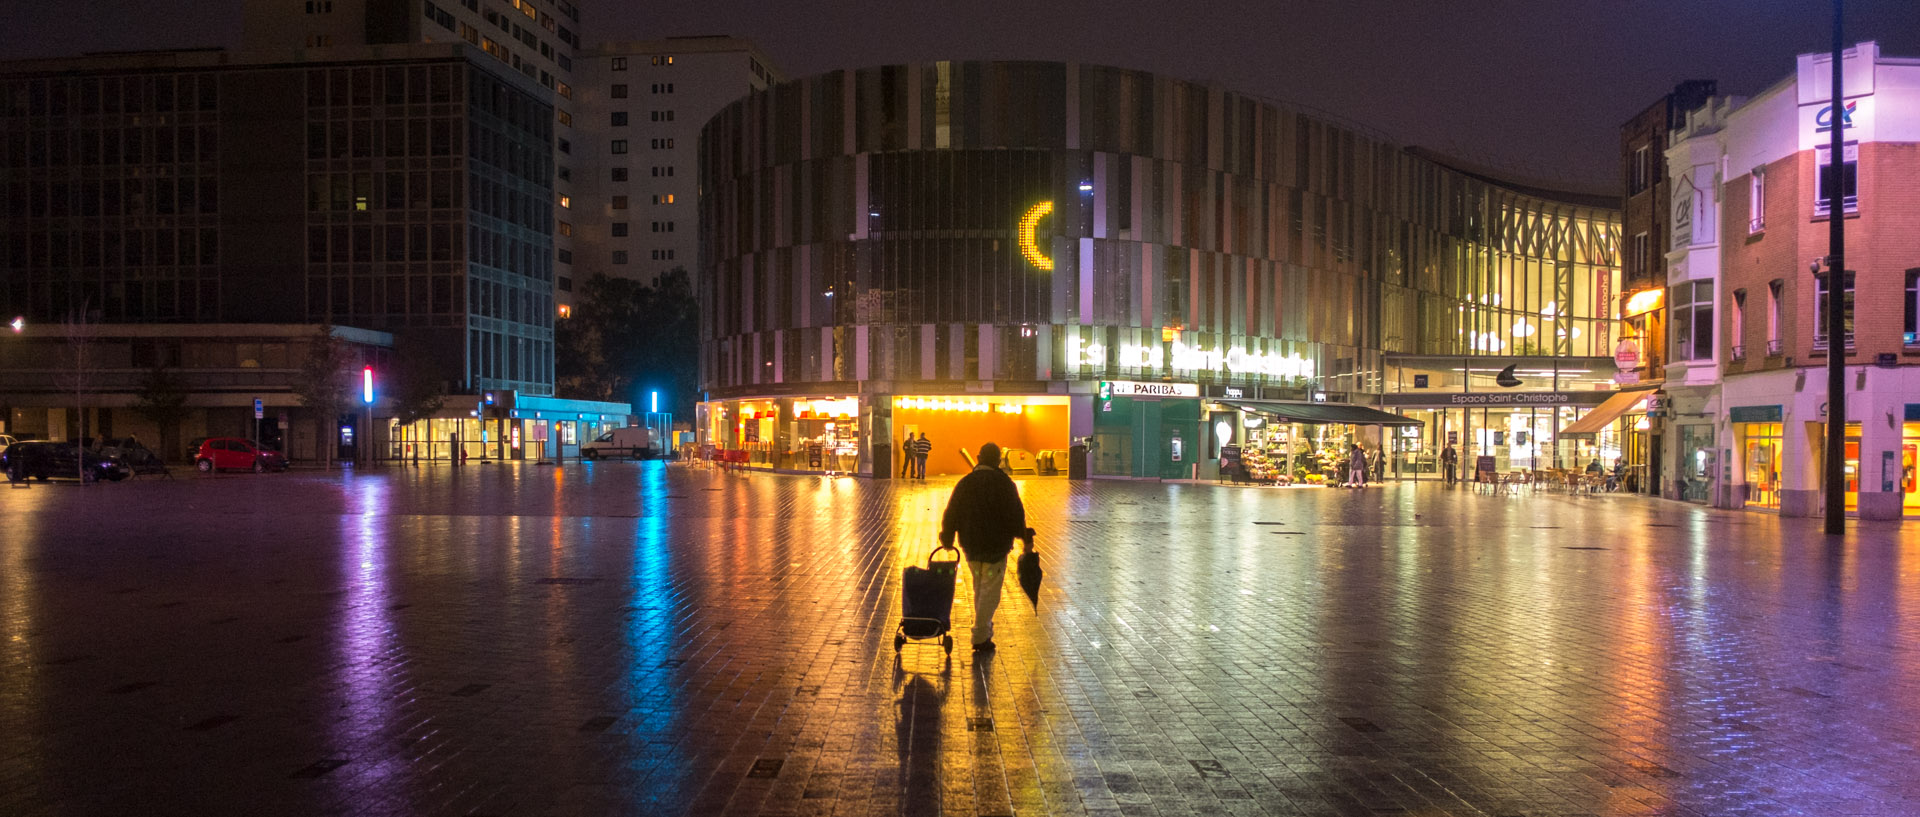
<point x="985" y="511"/>
<point x="921" y="448"/>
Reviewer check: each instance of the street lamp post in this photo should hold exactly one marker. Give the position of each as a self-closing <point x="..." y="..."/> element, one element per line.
<point x="1836" y="484"/>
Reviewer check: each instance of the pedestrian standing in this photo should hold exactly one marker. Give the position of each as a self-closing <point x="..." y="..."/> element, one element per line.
<point x="1448" y="459"/>
<point x="921" y="448"/>
<point x="906" y="455"/>
<point x="1357" y="467"/>
<point x="985" y="512"/>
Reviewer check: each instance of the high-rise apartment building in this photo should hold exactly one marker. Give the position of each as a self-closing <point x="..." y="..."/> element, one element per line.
<point x="643" y="104"/>
<point x="537" y="38"/>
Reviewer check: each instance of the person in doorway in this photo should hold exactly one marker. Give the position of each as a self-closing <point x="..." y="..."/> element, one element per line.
<point x="986" y="514"/>
<point x="921" y="448"/>
<point x="906" y="455"/>
<point x="1449" y="462"/>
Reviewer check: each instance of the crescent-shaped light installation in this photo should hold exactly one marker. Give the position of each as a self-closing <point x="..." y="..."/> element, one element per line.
<point x="1029" y="247"/>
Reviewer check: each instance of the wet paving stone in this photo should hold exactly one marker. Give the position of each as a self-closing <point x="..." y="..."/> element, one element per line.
<point x="1401" y="650"/>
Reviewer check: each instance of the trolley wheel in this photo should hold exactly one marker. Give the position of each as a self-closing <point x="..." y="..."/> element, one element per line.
<point x="898" y="642"/>
<point x="946" y="643"/>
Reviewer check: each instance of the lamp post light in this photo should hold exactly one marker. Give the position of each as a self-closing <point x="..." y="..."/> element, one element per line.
<point x="1835" y="477"/>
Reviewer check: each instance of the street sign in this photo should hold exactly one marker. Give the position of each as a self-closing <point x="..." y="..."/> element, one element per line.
<point x="259" y="409"/>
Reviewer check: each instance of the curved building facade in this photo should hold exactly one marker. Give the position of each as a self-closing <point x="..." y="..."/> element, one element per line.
<point x="1055" y="253"/>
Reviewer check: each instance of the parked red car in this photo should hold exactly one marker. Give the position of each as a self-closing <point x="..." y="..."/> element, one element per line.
<point x="220" y="453"/>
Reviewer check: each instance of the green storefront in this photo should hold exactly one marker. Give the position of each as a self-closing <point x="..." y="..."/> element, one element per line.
<point x="1146" y="437"/>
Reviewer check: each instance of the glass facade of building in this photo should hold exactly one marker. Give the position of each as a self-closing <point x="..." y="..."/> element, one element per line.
<point x="1020" y="227"/>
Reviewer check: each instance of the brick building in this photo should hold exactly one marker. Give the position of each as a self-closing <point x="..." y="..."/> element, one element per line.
<point x="1771" y="164"/>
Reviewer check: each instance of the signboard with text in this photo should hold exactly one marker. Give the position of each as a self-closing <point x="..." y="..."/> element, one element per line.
<point x="1130" y="388"/>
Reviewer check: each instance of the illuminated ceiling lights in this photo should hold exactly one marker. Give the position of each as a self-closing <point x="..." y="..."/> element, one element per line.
<point x="1029" y="247"/>
<point x="964" y="406"/>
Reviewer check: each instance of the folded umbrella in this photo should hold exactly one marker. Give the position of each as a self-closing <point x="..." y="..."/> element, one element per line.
<point x="1028" y="569"/>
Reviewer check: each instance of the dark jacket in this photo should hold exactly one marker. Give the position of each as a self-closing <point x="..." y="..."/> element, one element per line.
<point x="985" y="511"/>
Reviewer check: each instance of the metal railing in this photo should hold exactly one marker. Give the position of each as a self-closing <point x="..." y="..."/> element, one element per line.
<point x="1820" y="342"/>
<point x="1756" y="225"/>
<point x="1774" y="347"/>
<point x="1739" y="353"/>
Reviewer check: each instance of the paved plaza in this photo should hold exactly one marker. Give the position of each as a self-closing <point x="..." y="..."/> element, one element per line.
<point x="649" y="639"/>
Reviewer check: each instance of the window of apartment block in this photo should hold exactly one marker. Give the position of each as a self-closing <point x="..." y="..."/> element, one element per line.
<point x="566" y="229"/>
<point x="666" y="198"/>
<point x="1820" y="309"/>
<point x="663" y="144"/>
<point x="662" y="116"/>
<point x="563" y="173"/>
<point x="619" y="229"/>
<point x="663" y="87"/>
<point x="619" y="92"/>
<point x="619" y="202"/>
<point x="1642" y="170"/>
<point x="1757" y="201"/>
<point x="565" y="146"/>
<point x="619" y="174"/>
<point x="1640" y="262"/>
<point x="1848" y="177"/>
<point x="619" y="118"/>
<point x="562" y="115"/>
<point x="566" y="202"/>
<point x="619" y="256"/>
<point x="1737" y="323"/>
<point x="1912" y="325"/>
<point x="619" y="146"/>
<point x="662" y="60"/>
<point x="1691" y="308"/>
<point x="1773" y="316"/>
<point x="663" y="171"/>
<point x="619" y="63"/>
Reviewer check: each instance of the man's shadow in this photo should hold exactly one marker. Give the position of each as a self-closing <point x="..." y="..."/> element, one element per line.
<point x="917" y="739"/>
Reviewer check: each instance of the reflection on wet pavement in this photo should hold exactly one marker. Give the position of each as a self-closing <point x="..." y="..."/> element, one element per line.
<point x="637" y="638"/>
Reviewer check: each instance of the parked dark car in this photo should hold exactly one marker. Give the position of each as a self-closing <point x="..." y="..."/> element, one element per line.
<point x="47" y="460"/>
<point x="220" y="453"/>
<point x="129" y="452"/>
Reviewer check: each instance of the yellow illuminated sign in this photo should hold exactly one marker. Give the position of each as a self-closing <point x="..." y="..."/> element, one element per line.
<point x="1643" y="301"/>
<point x="1029" y="247"/>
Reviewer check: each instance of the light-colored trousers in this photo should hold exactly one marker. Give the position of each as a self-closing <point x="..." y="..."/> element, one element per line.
<point x="987" y="578"/>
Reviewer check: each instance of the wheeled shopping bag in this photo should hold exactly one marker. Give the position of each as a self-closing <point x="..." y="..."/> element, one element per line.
<point x="926" y="599"/>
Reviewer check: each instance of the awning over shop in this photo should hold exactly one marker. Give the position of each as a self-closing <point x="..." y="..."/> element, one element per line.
<point x="1324" y="413"/>
<point x="1604" y="414"/>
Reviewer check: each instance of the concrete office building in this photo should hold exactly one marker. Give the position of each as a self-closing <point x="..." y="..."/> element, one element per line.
<point x="644" y="104"/>
<point x="402" y="189"/>
<point x="536" y="38"/>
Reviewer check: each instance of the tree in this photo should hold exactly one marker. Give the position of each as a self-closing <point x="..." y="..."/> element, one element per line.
<point x="163" y="400"/>
<point x="412" y="388"/>
<point x="321" y="384"/>
<point x="78" y="373"/>
<point x="626" y="338"/>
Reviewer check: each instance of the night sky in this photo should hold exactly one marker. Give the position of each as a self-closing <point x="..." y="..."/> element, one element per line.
<point x="1537" y="88"/>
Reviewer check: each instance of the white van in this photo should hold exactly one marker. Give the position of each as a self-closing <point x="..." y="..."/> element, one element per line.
<point x="631" y="441"/>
